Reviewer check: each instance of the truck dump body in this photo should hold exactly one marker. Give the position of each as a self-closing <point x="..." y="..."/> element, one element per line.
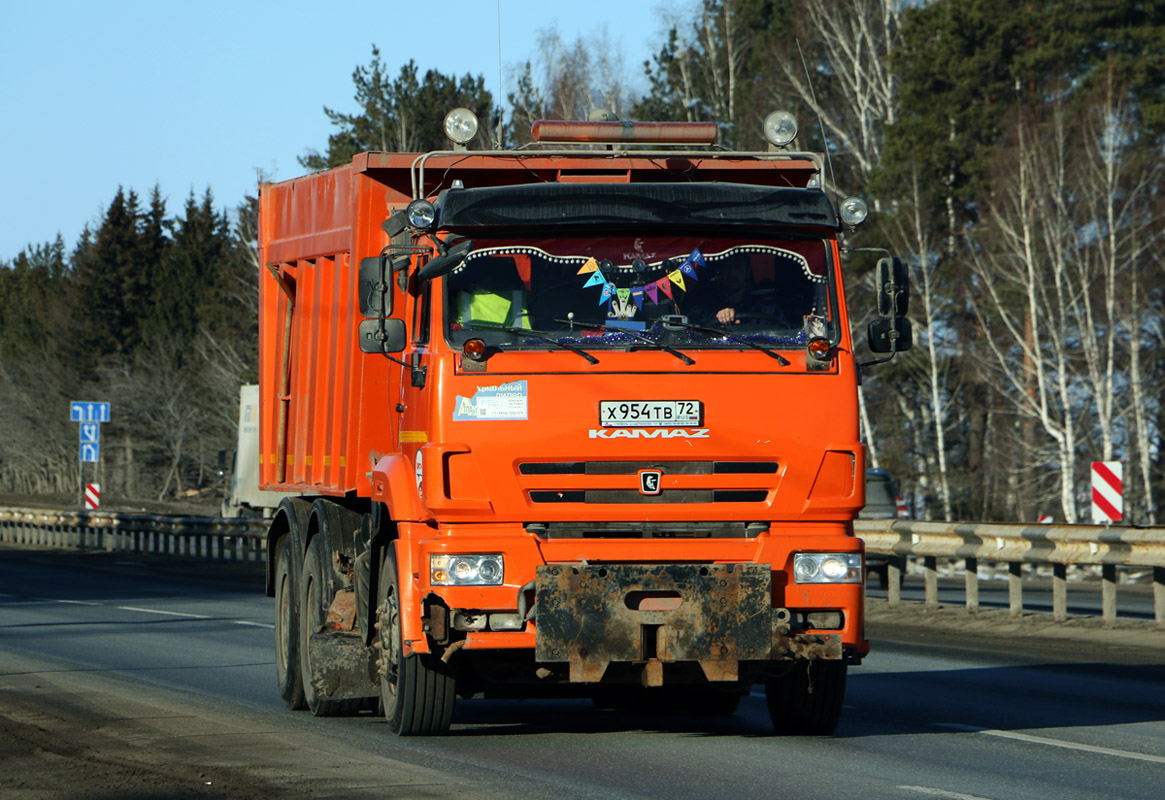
<point x="596" y="425"/>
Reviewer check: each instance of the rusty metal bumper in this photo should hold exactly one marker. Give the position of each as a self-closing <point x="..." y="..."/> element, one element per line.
<point x="717" y="615"/>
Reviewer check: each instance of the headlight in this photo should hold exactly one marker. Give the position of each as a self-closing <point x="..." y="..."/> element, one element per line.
<point x="827" y="568"/>
<point x="445" y="570"/>
<point x="421" y="214"/>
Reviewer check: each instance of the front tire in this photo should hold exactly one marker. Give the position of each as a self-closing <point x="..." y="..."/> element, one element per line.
<point x="417" y="691"/>
<point x="807" y="700"/>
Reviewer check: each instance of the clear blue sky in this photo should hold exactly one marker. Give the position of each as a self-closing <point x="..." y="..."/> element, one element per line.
<point x="96" y="95"/>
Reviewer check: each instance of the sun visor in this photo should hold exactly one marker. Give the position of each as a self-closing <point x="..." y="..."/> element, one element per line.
<point x="718" y="205"/>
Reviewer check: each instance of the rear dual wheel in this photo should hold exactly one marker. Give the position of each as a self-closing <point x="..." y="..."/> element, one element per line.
<point x="417" y="691"/>
<point x="287" y="626"/>
<point x="317" y="588"/>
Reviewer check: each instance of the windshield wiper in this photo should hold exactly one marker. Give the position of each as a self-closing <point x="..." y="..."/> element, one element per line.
<point x="641" y="337"/>
<point x="680" y="323"/>
<point x="542" y="335"/>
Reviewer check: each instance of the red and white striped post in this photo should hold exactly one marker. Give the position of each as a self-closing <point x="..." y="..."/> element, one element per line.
<point x="1107" y="505"/>
<point x="92" y="496"/>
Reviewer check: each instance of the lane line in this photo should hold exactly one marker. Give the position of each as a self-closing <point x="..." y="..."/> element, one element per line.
<point x="1027" y="737"/>
<point x="254" y="624"/>
<point x="78" y="602"/>
<point x="949" y="795"/>
<point x="166" y="613"/>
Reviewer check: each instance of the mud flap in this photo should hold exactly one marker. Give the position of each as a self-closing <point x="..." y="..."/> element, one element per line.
<point x="652" y="614"/>
<point x="345" y="668"/>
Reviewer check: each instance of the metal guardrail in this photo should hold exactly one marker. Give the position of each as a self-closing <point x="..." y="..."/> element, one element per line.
<point x="1059" y="546"/>
<point x="1015" y="545"/>
<point x="197" y="537"/>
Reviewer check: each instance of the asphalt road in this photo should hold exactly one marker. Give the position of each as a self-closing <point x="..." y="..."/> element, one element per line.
<point x="117" y="676"/>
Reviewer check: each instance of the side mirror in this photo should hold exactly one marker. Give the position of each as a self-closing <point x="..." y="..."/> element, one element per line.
<point x="892" y="280"/>
<point x="382" y="335"/>
<point x="890" y="335"/>
<point x="374" y="288"/>
<point x="446" y="263"/>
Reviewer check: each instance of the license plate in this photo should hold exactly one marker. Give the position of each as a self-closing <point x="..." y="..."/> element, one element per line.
<point x="651" y="413"/>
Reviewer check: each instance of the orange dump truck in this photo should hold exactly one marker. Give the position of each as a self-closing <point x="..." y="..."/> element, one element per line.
<point x="571" y="420"/>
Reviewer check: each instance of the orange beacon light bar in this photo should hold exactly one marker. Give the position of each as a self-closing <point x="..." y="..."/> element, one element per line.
<point x="615" y="132"/>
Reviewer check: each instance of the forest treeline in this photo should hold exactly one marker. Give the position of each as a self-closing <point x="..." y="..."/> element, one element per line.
<point x="1012" y="153"/>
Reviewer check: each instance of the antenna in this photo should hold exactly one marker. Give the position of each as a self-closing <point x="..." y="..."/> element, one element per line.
<point x="820" y="122"/>
<point x="501" y="87"/>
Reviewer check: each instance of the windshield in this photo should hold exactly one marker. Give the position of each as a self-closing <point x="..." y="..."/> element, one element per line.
<point x="631" y="292"/>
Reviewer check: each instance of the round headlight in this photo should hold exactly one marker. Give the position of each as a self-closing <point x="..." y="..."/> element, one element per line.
<point x="490" y="571"/>
<point x="780" y="128"/>
<point x="805" y="569"/>
<point x="421" y="214"/>
<point x="854" y="211"/>
<point x="462" y="570"/>
<point x="461" y="125"/>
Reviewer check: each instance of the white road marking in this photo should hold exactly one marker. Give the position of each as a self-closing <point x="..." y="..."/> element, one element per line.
<point x="167" y="613"/>
<point x="1027" y="737"/>
<point x="78" y="602"/>
<point x="933" y="792"/>
<point x="254" y="624"/>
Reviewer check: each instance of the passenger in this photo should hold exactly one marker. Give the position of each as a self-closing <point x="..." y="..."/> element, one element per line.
<point x="492" y="293"/>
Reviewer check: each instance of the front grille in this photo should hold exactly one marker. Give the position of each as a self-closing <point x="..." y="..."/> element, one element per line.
<point x="633" y="467"/>
<point x="602" y="496"/>
<point x="647" y="530"/>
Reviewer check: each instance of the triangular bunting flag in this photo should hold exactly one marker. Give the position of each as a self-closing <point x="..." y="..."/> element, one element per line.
<point x="664" y="286"/>
<point x="596" y="278"/>
<point x="624" y="295"/>
<point x="590" y="266"/>
<point x="637" y="296"/>
<point x="697" y="258"/>
<point x="608" y="290"/>
<point x="689" y="269"/>
<point x="678" y="279"/>
<point x="652" y="292"/>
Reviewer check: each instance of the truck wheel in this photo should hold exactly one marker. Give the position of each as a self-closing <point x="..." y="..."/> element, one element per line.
<point x="317" y="588"/>
<point x="807" y="700"/>
<point x="287" y="628"/>
<point x="417" y="691"/>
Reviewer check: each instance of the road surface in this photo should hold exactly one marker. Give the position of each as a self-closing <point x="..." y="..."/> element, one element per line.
<point x="122" y="679"/>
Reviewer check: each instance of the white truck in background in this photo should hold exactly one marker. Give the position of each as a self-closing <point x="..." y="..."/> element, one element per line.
<point x="244" y="498"/>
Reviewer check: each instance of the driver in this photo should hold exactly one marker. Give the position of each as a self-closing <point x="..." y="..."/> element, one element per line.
<point x="732" y="292"/>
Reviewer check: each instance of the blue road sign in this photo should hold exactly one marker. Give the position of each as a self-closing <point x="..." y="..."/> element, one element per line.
<point x="90" y="452"/>
<point x="85" y="411"/>
<point x="90" y="432"/>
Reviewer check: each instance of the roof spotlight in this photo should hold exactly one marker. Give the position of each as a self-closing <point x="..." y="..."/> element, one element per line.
<point x="854" y="211"/>
<point x="421" y="214"/>
<point x="461" y="125"/>
<point x="780" y="128"/>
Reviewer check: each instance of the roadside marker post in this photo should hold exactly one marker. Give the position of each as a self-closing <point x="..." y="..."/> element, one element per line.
<point x="1107" y="503"/>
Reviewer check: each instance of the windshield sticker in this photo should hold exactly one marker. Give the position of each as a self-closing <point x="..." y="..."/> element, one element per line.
<point x="507" y="401"/>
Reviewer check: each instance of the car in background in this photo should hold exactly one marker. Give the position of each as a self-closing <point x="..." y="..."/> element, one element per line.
<point x="882" y="502"/>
